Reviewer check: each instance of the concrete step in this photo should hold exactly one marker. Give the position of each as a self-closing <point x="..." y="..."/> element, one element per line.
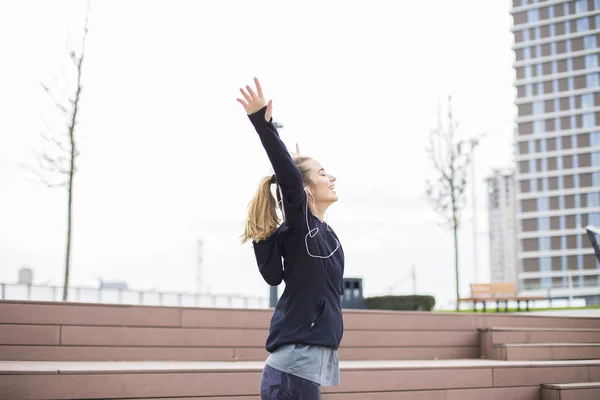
<point x="546" y="351"/>
<point x="376" y="380"/>
<point x="571" y="391"/>
<point x="494" y="336"/>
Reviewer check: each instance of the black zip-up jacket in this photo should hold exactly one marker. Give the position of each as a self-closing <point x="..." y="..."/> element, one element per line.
<point x="310" y="309"/>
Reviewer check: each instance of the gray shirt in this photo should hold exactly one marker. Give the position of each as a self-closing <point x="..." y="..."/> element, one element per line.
<point x="316" y="363"/>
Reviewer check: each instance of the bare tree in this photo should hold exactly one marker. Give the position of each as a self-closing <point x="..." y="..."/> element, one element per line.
<point x="450" y="159"/>
<point x="56" y="162"/>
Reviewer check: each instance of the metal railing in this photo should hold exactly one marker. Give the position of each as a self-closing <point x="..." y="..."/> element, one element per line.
<point x="573" y="284"/>
<point x="12" y="291"/>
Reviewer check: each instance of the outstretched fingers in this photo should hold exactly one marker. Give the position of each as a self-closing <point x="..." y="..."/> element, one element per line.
<point x="259" y="88"/>
<point x="251" y="91"/>
<point x="246" y="95"/>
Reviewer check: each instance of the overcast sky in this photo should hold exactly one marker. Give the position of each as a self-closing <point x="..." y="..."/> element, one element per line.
<point x="168" y="156"/>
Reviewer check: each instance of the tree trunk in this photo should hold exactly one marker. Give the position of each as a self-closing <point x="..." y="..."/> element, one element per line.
<point x="72" y="173"/>
<point x="455" y="228"/>
<point x="69" y="225"/>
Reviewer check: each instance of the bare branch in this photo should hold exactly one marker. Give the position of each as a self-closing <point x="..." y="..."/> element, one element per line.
<point x="58" y="104"/>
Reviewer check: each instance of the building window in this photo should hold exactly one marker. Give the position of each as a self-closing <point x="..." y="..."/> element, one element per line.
<point x="538" y="108"/>
<point x="533" y="15"/>
<point x="562" y="222"/>
<point x="536" y="33"/>
<point x="544" y="244"/>
<point x="544" y="223"/>
<point x="573" y="121"/>
<point x="525" y="35"/>
<point x="546" y="266"/>
<point x="571" y="83"/>
<point x="552" y="32"/>
<point x="597" y="20"/>
<point x="543" y="145"/>
<point x="567" y="27"/>
<point x="550" y="11"/>
<point x="554" y="66"/>
<point x="568" y="46"/>
<point x="559" y="147"/>
<point x="595" y="178"/>
<point x="595" y="158"/>
<point x="592" y="80"/>
<point x="582" y="24"/>
<point x="539" y="126"/>
<point x="587" y="100"/>
<point x="595" y="139"/>
<point x="590" y="42"/>
<point x="561" y="184"/>
<point x="540" y="87"/>
<point x="588" y="120"/>
<point x="526" y="53"/>
<point x="571" y="102"/>
<point x="597" y="4"/>
<point x="539" y="69"/>
<point x="594" y="219"/>
<point x="531" y="146"/>
<point x="527" y="71"/>
<point x="577" y="202"/>
<point x="543" y="204"/>
<point x="555" y="86"/>
<point x="563" y="244"/>
<point x="544" y="164"/>
<point x="591" y="61"/>
<point x="569" y="64"/>
<point x="531" y="166"/>
<point x="545" y="184"/>
<point x="561" y="202"/>
<point x="566" y="9"/>
<point x="575" y="162"/>
<point x="529" y="90"/>
<point x="533" y="185"/>
<point x="593" y="199"/>
<point x="576" y="184"/>
<point x="581" y="6"/>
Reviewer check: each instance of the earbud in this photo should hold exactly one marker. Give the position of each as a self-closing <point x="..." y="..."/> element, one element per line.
<point x="313" y="232"/>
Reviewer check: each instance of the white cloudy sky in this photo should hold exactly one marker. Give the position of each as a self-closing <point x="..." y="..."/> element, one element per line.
<point x="168" y="156"/>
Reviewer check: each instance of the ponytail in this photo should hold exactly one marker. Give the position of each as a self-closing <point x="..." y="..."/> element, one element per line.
<point x="262" y="218"/>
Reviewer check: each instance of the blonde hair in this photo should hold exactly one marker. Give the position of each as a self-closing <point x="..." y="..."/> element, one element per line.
<point x="262" y="218"/>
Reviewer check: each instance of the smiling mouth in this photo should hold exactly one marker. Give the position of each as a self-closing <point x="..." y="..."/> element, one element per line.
<point x="332" y="188"/>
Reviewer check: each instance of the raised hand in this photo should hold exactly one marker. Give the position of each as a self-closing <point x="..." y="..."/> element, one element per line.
<point x="253" y="102"/>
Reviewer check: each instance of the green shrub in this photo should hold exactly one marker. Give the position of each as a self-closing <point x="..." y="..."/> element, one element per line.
<point x="410" y="303"/>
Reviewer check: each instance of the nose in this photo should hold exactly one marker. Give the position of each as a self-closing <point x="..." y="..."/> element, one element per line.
<point x="332" y="178"/>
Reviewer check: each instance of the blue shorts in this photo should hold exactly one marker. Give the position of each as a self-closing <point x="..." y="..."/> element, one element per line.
<point x="276" y="385"/>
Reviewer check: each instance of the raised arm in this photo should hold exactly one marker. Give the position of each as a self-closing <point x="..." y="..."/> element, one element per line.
<point x="288" y="175"/>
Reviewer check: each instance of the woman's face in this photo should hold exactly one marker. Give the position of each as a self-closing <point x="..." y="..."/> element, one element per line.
<point x="322" y="184"/>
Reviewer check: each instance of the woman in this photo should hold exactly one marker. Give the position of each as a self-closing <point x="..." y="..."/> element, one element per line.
<point x="306" y="327"/>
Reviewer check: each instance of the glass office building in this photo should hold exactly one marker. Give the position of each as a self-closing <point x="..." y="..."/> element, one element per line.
<point x="558" y="145"/>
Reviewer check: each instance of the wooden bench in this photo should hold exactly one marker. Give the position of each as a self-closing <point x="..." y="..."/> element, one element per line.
<point x="498" y="292"/>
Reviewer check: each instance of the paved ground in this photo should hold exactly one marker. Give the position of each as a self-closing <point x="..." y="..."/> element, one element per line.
<point x="591" y="312"/>
<point x="52" y="367"/>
